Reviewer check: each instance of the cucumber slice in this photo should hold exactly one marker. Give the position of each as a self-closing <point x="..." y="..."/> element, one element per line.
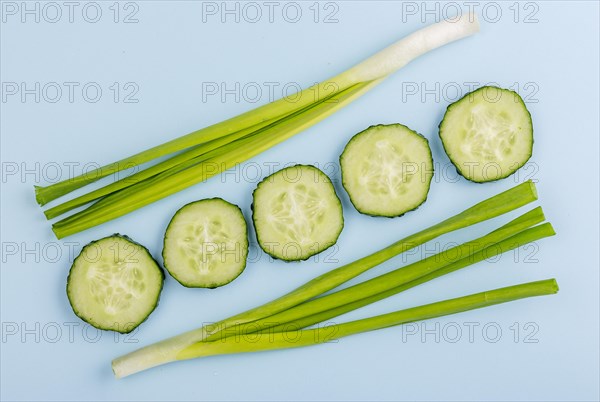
<point x="296" y="213"/>
<point x="114" y="284"/>
<point x="488" y="134"/>
<point x="387" y="170"/>
<point x="206" y="244"/>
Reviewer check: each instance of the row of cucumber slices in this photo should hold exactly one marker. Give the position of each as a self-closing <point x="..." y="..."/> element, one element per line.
<point x="115" y="283"/>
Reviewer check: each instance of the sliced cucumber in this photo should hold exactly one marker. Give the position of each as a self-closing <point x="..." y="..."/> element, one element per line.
<point x="206" y="244"/>
<point x="488" y="134"/>
<point x="114" y="284"/>
<point x="387" y="170"/>
<point x="296" y="213"/>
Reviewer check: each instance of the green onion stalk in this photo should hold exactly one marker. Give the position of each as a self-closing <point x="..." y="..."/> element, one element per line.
<point x="518" y="196"/>
<point x="204" y="153"/>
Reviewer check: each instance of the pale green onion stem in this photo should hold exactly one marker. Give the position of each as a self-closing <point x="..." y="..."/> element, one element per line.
<point x="165" y="351"/>
<point x="371" y="70"/>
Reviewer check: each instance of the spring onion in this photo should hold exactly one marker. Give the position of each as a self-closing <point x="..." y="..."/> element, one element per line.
<point x="204" y="153"/>
<point x="167" y="350"/>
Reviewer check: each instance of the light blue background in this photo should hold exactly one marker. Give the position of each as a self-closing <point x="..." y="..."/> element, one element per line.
<point x="169" y="53"/>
